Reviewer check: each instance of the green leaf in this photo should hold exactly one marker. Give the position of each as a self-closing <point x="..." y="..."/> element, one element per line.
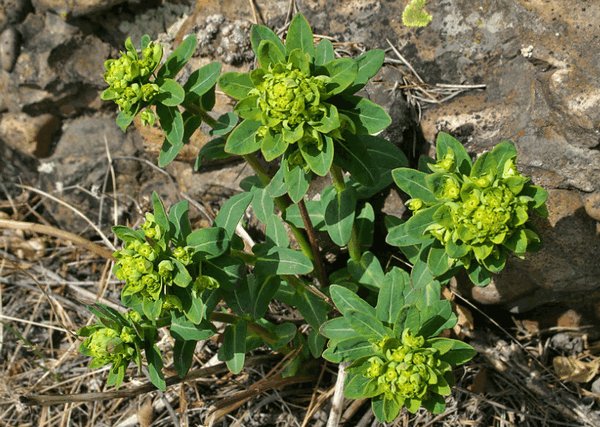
<point x="168" y="152"/>
<point x="367" y="326"/>
<point x="479" y="275"/>
<point x="412" y="231"/>
<point x="299" y="60"/>
<point x="444" y="143"/>
<point x="324" y="52"/>
<point x="315" y="213"/>
<point x="124" y="119"/>
<point x="357" y="386"/>
<point x="233" y="349"/>
<point x="171" y="93"/>
<point x="313" y="309"/>
<point x="349" y="350"/>
<point x="224" y="124"/>
<point x="385" y="410"/>
<point x="212" y="150"/>
<point x="248" y="108"/>
<point x="369" y="63"/>
<point x="452" y="351"/>
<point x="208" y="242"/>
<point x="297" y="181"/>
<point x="127" y="234"/>
<point x="315" y="343"/>
<point x="155" y="366"/>
<point x="160" y="215"/>
<point x="347" y="301"/>
<point x="269" y="54"/>
<point x="365" y="226"/>
<point x="342" y="72"/>
<point x="177" y="60"/>
<point x="485" y="164"/>
<point x="227" y="270"/>
<point x="438" y="261"/>
<point x="183" y="330"/>
<point x="262" y="204"/>
<point x="260" y="33"/>
<point x="145" y="41"/>
<point x="420" y="276"/>
<point x="339" y="216"/>
<point x="503" y="152"/>
<point x="318" y="160"/>
<point x="413" y="183"/>
<point x="352" y="156"/>
<point x="276" y="232"/>
<point x="236" y="85"/>
<point x="242" y="140"/>
<point x="232" y="211"/>
<point x="183" y="356"/>
<point x="300" y="36"/>
<point x="337" y="329"/>
<point x="182" y="277"/>
<point x="368" y="117"/>
<point x="179" y="221"/>
<point x="203" y="79"/>
<point x="368" y="271"/>
<point x="280" y="261"/>
<point x="273" y="146"/>
<point x="277" y="187"/>
<point x="261" y="294"/>
<point x="171" y="121"/>
<point x="391" y="295"/>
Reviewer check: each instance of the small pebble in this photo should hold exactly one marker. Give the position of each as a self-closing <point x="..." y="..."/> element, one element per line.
<point x="9" y="48"/>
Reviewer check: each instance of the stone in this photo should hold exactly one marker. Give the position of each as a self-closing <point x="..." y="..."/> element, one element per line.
<point x="16" y="168"/>
<point x="74" y="8"/>
<point x="10" y="45"/>
<point x="32" y="135"/>
<point x="591" y="203"/>
<point x="78" y="173"/>
<point x="13" y="12"/>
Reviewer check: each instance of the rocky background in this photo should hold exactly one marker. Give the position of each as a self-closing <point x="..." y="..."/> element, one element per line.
<point x="524" y="70"/>
<point x="537" y="59"/>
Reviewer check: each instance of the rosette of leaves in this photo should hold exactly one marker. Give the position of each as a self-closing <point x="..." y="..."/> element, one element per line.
<point x="139" y="84"/>
<point x="395" y="355"/>
<point x="300" y="104"/>
<point x="118" y="340"/>
<point x="466" y="214"/>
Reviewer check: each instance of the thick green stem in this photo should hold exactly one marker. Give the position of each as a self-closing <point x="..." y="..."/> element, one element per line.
<point x="354" y="251"/>
<point x="282" y="204"/>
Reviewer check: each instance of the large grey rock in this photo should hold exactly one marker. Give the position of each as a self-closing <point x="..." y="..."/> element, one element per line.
<point x="13" y="12"/>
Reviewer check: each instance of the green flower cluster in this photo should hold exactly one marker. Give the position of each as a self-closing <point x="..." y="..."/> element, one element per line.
<point x="114" y="341"/>
<point x="129" y="78"/>
<point x="469" y="214"/>
<point x="299" y="100"/>
<point x="407" y="371"/>
<point x="144" y="266"/>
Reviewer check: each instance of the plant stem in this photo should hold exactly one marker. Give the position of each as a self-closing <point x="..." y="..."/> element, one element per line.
<point x="312" y="238"/>
<point x="354" y="251"/>
<point x="282" y="204"/>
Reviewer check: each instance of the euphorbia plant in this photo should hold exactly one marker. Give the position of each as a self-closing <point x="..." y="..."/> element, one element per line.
<point x="300" y="118"/>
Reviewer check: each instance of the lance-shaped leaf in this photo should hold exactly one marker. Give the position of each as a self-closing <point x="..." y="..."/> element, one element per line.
<point x="412" y="231"/>
<point x="232" y="211"/>
<point x="324" y="52"/>
<point x="319" y="160"/>
<point x="180" y="222"/>
<point x="176" y="60"/>
<point x="337" y="329"/>
<point x="352" y="156"/>
<point x="242" y="140"/>
<point x="342" y="73"/>
<point x="171" y="121"/>
<point x="233" y="349"/>
<point x="202" y="80"/>
<point x="280" y="261"/>
<point x="269" y="54"/>
<point x="347" y="301"/>
<point x="313" y="309"/>
<point x="339" y="215"/>
<point x="261" y="294"/>
<point x="297" y="181"/>
<point x="445" y="143"/>
<point x="183" y="356"/>
<point x="184" y="330"/>
<point x="367" y="271"/>
<point x="208" y="242"/>
<point x="171" y="93"/>
<point x="369" y="63"/>
<point x="258" y="33"/>
<point x="391" y="295"/>
<point x="300" y="36"/>
<point x="155" y="366"/>
<point x="224" y="124"/>
<point x="368" y="117"/>
<point x="414" y="183"/>
<point x="236" y="85"/>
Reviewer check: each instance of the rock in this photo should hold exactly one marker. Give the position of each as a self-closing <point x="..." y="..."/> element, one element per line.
<point x="17" y="168"/>
<point x="9" y="48"/>
<point x="78" y="171"/>
<point x="591" y="203"/>
<point x="13" y="12"/>
<point x="74" y="8"/>
<point x="567" y="343"/>
<point x="224" y="39"/>
<point x="32" y="135"/>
